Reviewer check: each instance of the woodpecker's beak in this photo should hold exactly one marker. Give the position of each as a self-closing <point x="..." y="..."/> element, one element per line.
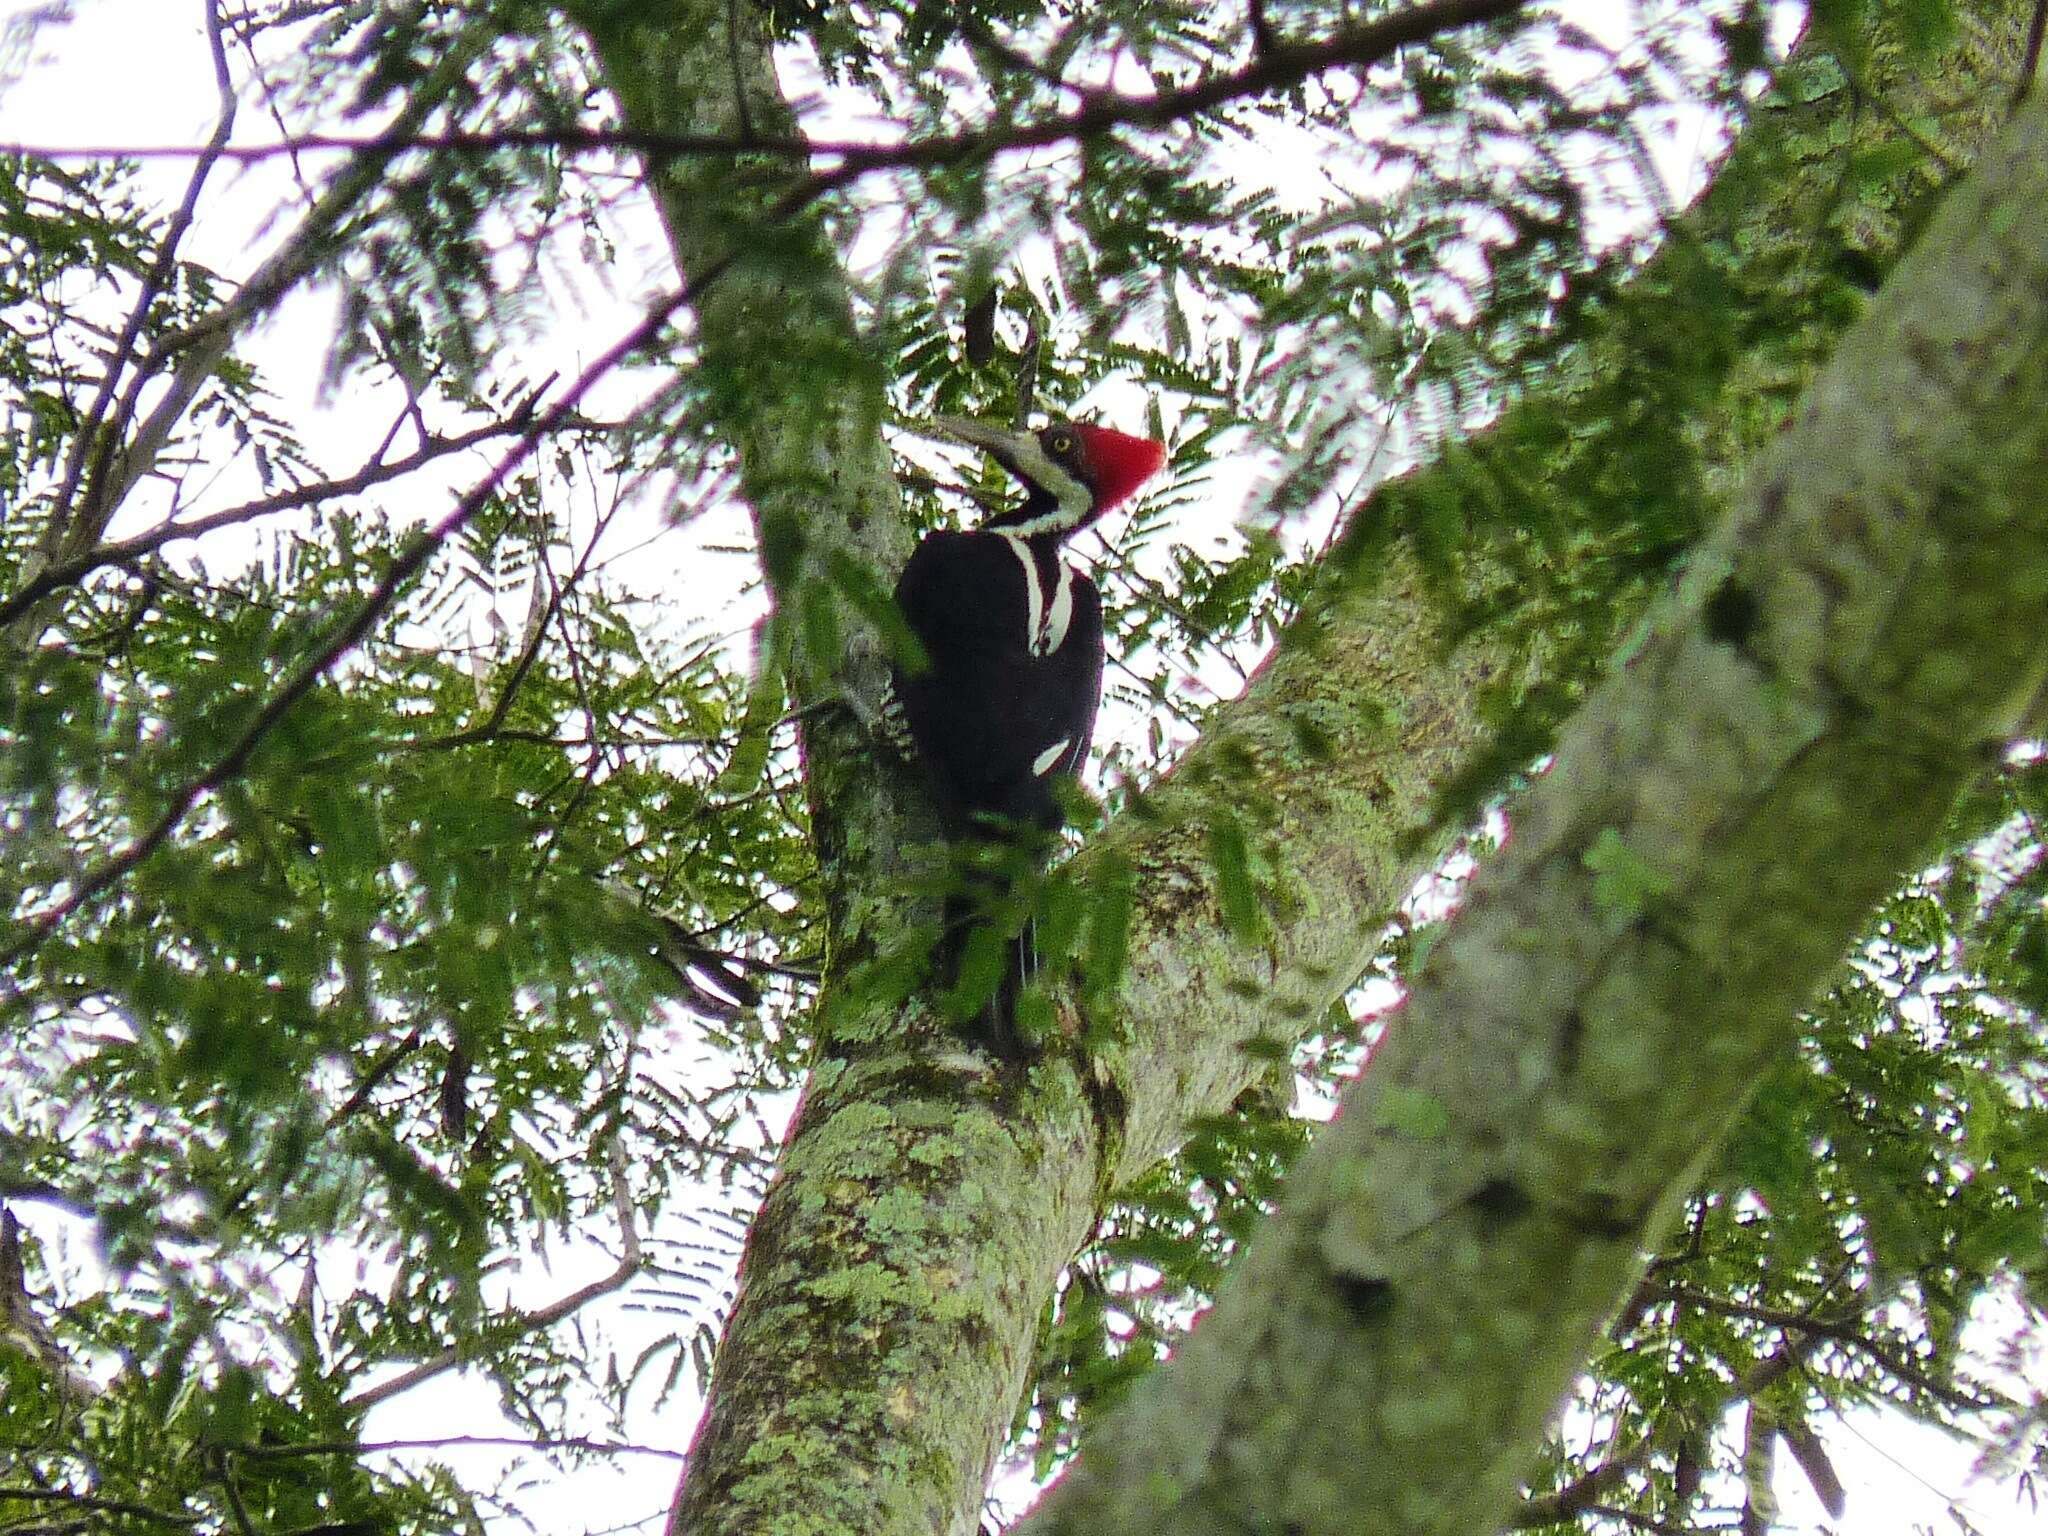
<point x="1018" y="452"/>
<point x="1024" y="457"/>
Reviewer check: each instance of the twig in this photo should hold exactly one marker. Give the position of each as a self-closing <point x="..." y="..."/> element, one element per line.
<point x="524" y="1322"/>
<point x="2030" y="63"/>
<point x="1582" y="1492"/>
<point x="1644" y="1522"/>
<point x="96" y="435"/>
<point x="983" y="35"/>
<point x="199" y="349"/>
<point x="108" y="1506"/>
<point x="477" y="736"/>
<point x="1579" y="1496"/>
<point x="452" y="1442"/>
<point x="1027" y="371"/>
<point x="1264" y="38"/>
<point x="923" y="482"/>
<point x="1841" y="1333"/>
<point x="530" y="652"/>
<point x="288" y="15"/>
<point x="236" y="1506"/>
<point x="122" y="551"/>
<point x="380" y="1069"/>
<point x="739" y="79"/>
<point x="1898" y="119"/>
<point x="629" y="1265"/>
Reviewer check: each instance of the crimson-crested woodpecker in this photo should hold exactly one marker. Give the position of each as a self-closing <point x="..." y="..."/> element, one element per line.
<point x="1004" y="707"/>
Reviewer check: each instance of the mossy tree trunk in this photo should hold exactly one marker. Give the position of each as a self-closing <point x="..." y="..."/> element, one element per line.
<point x="1842" y="658"/>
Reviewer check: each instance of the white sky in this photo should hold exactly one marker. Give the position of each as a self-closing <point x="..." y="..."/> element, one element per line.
<point x="136" y="72"/>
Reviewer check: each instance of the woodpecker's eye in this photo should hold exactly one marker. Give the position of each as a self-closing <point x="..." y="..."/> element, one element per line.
<point x="1061" y="443"/>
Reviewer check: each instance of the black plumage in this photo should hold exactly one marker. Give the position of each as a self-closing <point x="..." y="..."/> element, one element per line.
<point x="1004" y="707"/>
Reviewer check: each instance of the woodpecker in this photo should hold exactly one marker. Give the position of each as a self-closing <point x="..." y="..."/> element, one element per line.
<point x="1012" y="635"/>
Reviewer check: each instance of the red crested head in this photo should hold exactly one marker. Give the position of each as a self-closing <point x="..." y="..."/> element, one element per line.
<point x="1117" y="462"/>
<point x="1073" y="472"/>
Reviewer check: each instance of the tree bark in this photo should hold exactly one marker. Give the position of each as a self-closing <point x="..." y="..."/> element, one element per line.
<point x="1786" y="742"/>
<point x="892" y="1284"/>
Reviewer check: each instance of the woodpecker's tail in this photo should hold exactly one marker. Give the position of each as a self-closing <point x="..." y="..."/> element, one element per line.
<point x="983" y="972"/>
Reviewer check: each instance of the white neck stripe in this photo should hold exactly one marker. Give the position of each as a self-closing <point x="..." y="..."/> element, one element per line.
<point x="1034" y="593"/>
<point x="1045" y="624"/>
<point x="1061" y="519"/>
<point x="1075" y="500"/>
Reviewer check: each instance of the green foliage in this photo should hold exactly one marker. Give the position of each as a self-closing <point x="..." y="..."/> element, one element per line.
<point x="1167" y="1243"/>
<point x="370" y="1013"/>
<point x="325" y="1030"/>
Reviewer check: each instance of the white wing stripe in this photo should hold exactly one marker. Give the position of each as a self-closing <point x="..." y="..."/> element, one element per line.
<point x="1061" y="613"/>
<point x="1049" y="759"/>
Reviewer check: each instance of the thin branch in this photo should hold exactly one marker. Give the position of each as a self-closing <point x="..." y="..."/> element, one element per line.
<point x="236" y="1506"/>
<point x="286" y="15"/>
<point x="199" y="349"/>
<point x="1580" y="1496"/>
<point x="245" y="33"/>
<point x="536" y="636"/>
<point x="1947" y="161"/>
<point x="452" y="1442"/>
<point x="918" y="481"/>
<point x="629" y="1265"/>
<point x="739" y="82"/>
<point x="1582" y="1492"/>
<point x="477" y="736"/>
<point x="522" y="1323"/>
<point x="1843" y="1333"/>
<point x="108" y="1506"/>
<point x="380" y="1069"/>
<point x="985" y="36"/>
<point x="572" y="654"/>
<point x="1284" y="66"/>
<point x="2030" y="63"/>
<point x="1027" y="371"/>
<point x="124" y="551"/>
<point x="1643" y="1522"/>
<point x="1264" y="38"/>
<point x="96" y="435"/>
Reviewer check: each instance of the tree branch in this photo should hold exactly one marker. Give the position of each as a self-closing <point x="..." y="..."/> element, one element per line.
<point x="103" y="1506"/>
<point x="1582" y="1494"/>
<point x="1843" y="1332"/>
<point x="122" y="551"/>
<point x="88" y="504"/>
<point x="524" y="1322"/>
<point x="452" y="1442"/>
<point x="96" y="435"/>
<point x="1275" y="69"/>
<point x="1833" y="668"/>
